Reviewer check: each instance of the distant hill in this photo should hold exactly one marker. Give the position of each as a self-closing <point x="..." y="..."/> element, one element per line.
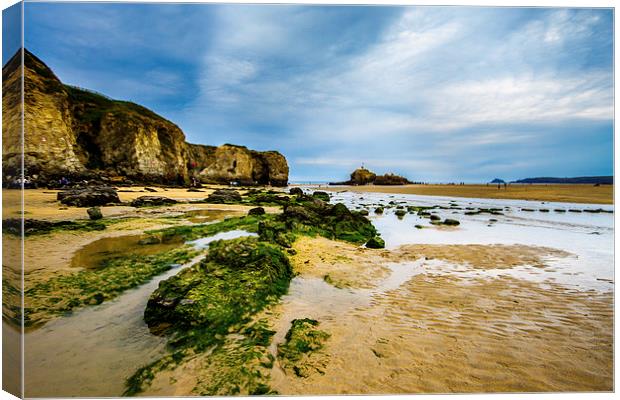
<point x="497" y="180"/>
<point x="601" y="180"/>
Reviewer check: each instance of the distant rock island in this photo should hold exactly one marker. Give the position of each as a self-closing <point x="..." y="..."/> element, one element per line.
<point x="498" y="180"/>
<point x="82" y="135"/>
<point x="601" y="180"/>
<point x="363" y="176"/>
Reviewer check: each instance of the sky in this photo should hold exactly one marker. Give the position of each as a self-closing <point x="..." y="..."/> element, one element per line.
<point x="438" y="94"/>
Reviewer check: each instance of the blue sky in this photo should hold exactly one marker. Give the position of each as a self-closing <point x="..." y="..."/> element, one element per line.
<point x="435" y="93"/>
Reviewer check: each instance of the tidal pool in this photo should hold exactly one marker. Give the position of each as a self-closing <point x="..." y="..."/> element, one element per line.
<point x="91" y="352"/>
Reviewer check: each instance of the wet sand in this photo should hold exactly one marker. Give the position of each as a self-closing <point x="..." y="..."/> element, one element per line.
<point x="413" y="318"/>
<point x="425" y="319"/>
<point x="42" y="204"/>
<point x="441" y="333"/>
<point x="588" y="194"/>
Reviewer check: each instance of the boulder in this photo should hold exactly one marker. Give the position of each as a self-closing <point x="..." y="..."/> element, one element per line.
<point x="149" y="201"/>
<point x="362" y="176"/>
<point x="224" y="196"/>
<point x="89" y="196"/>
<point x="257" y="211"/>
<point x="296" y="191"/>
<point x="94" y="213"/>
<point x="375" y="243"/>
<point x="321" y="196"/>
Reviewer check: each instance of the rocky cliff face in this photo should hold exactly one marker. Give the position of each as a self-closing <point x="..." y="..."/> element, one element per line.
<point x="81" y="134"/>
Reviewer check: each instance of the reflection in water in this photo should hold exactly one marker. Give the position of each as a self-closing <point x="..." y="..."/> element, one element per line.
<point x="95" y="253"/>
<point x="202" y="216"/>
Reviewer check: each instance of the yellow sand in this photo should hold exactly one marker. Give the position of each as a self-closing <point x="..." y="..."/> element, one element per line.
<point x="438" y="333"/>
<point x="590" y="194"/>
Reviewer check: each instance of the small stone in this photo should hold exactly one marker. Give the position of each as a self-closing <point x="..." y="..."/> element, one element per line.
<point x="94" y="213"/>
<point x="257" y="211"/>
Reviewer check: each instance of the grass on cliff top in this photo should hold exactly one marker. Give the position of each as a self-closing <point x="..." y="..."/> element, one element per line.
<point x="63" y="294"/>
<point x="97" y="104"/>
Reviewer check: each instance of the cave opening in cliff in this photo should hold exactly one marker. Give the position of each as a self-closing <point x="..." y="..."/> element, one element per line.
<point x="90" y="150"/>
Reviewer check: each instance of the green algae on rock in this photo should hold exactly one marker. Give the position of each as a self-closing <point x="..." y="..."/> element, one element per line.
<point x="64" y="293"/>
<point x="301" y="350"/>
<point x="375" y="243"/>
<point x="202" y="305"/>
<point x="236" y="279"/>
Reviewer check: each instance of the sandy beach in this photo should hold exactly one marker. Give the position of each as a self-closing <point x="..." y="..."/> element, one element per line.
<point x="587" y="194"/>
<point x="491" y="305"/>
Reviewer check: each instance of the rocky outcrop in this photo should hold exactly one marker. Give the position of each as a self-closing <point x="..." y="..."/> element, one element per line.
<point x="79" y="134"/>
<point x="362" y="176"/>
<point x="152" y="201"/>
<point x="231" y="163"/>
<point x="88" y="196"/>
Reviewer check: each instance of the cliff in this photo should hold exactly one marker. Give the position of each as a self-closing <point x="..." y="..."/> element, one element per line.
<point x="81" y="134"/>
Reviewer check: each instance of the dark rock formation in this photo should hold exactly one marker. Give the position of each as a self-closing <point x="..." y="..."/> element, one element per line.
<point x="296" y="191"/>
<point x="224" y="196"/>
<point x="257" y="211"/>
<point x="94" y="213"/>
<point x="80" y="135"/>
<point x="362" y="176"/>
<point x="150" y="201"/>
<point x="88" y="196"/>
<point x="375" y="243"/>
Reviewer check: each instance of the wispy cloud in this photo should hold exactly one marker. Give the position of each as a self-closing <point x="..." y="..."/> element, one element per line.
<point x="432" y="92"/>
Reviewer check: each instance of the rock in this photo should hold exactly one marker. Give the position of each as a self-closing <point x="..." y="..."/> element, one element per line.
<point x="321" y="196"/>
<point x="89" y="196"/>
<point x="257" y="211"/>
<point x="435" y="217"/>
<point x="362" y="176"/>
<point x="375" y="243"/>
<point x="364" y="212"/>
<point x="400" y="213"/>
<point x="224" y="196"/>
<point x="296" y="191"/>
<point x="451" y="222"/>
<point x="379" y="210"/>
<point x="151" y="201"/>
<point x="94" y="213"/>
<point x="148" y="189"/>
<point x="419" y="227"/>
<point x="391" y="179"/>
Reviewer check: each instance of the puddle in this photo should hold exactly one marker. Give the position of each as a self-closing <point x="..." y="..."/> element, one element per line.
<point x="203" y="216"/>
<point x="316" y="299"/>
<point x="95" y="253"/>
<point x="91" y="352"/>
